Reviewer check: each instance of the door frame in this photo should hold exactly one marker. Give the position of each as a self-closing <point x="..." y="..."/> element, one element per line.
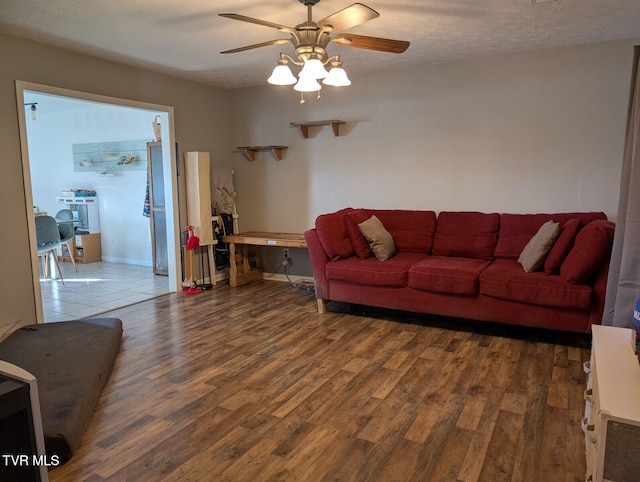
<point x="170" y="177"/>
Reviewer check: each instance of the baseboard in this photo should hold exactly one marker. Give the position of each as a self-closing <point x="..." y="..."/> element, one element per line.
<point x="136" y="262"/>
<point x="283" y="278"/>
<point x="293" y="278"/>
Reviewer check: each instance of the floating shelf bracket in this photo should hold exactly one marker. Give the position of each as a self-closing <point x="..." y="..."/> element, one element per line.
<point x="304" y="126"/>
<point x="250" y="151"/>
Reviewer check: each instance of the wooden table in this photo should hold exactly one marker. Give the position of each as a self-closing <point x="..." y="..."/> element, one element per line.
<point x="246" y="266"/>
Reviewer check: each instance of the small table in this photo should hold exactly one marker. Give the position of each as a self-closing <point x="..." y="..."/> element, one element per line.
<point x="244" y="266"/>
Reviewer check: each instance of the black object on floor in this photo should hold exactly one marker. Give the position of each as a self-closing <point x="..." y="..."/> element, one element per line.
<point x="72" y="362"/>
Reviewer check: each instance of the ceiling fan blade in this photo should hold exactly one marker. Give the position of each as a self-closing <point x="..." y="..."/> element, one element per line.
<point x="349" y="17"/>
<point x="243" y="18"/>
<point x="372" y="43"/>
<point x="255" y="46"/>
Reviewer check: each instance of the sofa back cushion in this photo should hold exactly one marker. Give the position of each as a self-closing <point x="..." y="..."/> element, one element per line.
<point x="592" y="247"/>
<point x="412" y="231"/>
<point x="332" y="233"/>
<point x="466" y="234"/>
<point x="562" y="246"/>
<point x="517" y="229"/>
<point x="360" y="245"/>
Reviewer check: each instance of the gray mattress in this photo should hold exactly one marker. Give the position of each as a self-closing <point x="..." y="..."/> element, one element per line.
<point x="72" y="362"/>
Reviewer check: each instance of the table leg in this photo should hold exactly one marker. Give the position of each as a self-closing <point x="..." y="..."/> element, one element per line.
<point x="233" y="269"/>
<point x="212" y="264"/>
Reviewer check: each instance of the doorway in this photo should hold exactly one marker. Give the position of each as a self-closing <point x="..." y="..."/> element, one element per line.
<point x="114" y="184"/>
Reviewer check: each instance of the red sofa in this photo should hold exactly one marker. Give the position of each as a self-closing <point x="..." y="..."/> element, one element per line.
<point x="465" y="264"/>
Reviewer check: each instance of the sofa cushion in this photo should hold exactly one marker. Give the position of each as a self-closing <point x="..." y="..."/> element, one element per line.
<point x="517" y="229"/>
<point x="447" y="274"/>
<point x="360" y="245"/>
<point x="591" y="248"/>
<point x="373" y="272"/>
<point x="332" y="233"/>
<point x="505" y="279"/>
<point x="379" y="239"/>
<point x="466" y="234"/>
<point x="535" y="252"/>
<point x="411" y="230"/>
<point x="562" y="246"/>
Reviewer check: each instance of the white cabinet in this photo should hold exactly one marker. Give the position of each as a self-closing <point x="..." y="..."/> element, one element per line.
<point x="612" y="410"/>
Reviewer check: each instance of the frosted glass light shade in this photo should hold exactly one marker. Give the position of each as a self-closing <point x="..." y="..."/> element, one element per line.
<point x="313" y="68"/>
<point x="337" y="77"/>
<point x="307" y="84"/>
<point x="282" y="75"/>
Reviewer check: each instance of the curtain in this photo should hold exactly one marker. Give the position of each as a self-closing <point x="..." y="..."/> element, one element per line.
<point x="623" y="284"/>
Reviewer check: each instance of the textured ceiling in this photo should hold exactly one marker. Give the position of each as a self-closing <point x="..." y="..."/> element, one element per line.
<point x="184" y="37"/>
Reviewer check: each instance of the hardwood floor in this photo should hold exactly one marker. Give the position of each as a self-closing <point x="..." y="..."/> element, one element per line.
<point x="251" y="384"/>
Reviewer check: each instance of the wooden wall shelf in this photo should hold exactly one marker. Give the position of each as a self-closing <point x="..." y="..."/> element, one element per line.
<point x="250" y="151"/>
<point x="304" y="126"/>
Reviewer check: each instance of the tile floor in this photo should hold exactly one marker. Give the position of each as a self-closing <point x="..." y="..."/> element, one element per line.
<point x="98" y="287"/>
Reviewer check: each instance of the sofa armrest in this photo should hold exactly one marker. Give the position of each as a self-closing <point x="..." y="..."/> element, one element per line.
<point x="599" y="293"/>
<point x="319" y="260"/>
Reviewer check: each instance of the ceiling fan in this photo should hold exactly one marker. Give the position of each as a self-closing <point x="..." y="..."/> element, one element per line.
<point x="310" y="40"/>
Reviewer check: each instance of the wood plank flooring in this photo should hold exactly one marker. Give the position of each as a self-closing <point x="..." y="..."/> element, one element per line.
<point x="251" y="384"/>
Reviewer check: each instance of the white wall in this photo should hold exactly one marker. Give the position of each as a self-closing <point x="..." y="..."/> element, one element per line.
<point x="536" y="132"/>
<point x="125" y="232"/>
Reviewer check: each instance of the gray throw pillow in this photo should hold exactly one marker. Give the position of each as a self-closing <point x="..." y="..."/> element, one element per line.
<point x="534" y="253"/>
<point x="379" y="239"/>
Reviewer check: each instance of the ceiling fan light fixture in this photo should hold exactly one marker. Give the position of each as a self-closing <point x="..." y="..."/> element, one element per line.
<point x="337" y="75"/>
<point x="307" y="84"/>
<point x="310" y="40"/>
<point x="337" y="78"/>
<point x="313" y="68"/>
<point x="282" y="74"/>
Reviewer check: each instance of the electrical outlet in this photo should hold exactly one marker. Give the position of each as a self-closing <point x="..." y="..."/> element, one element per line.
<point x="285" y="252"/>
